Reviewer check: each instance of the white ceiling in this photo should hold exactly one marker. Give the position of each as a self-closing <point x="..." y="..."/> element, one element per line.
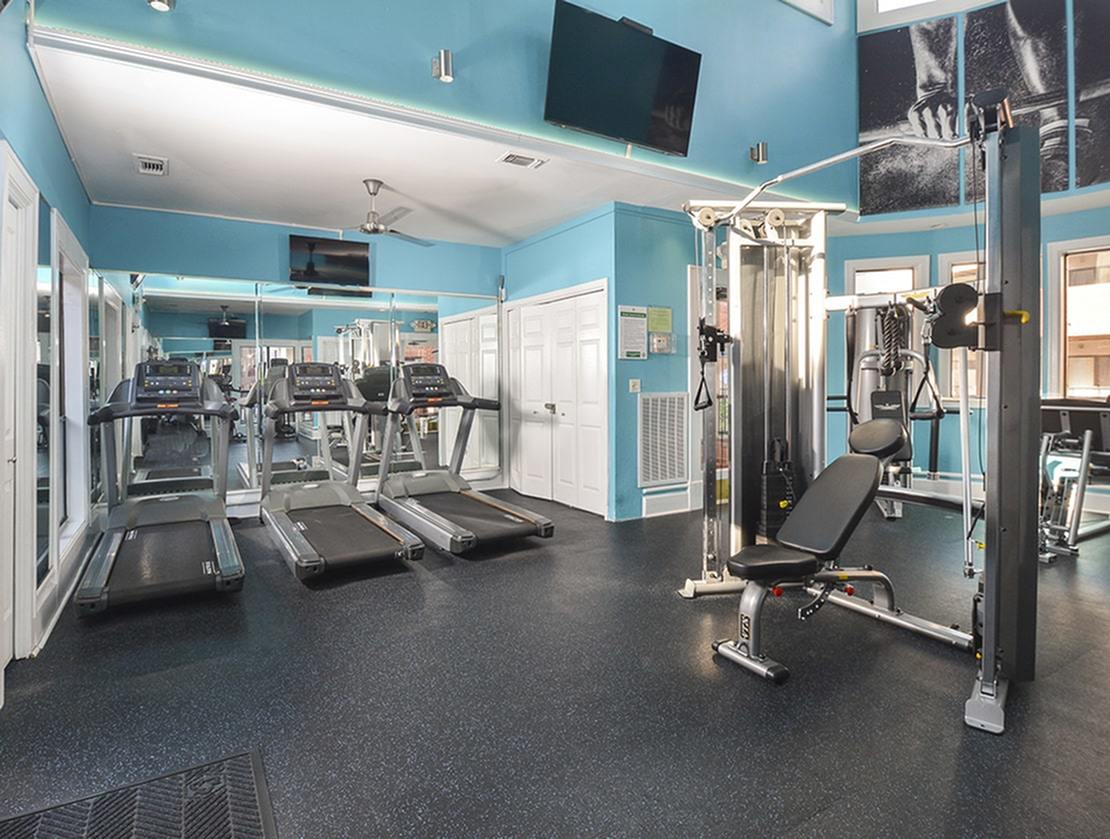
<point x="241" y="152"/>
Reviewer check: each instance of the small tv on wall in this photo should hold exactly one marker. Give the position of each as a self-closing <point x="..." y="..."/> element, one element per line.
<point x="315" y="261"/>
<point x="616" y="79"/>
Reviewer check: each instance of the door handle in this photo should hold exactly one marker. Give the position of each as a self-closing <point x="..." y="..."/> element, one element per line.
<point x="550" y="406"/>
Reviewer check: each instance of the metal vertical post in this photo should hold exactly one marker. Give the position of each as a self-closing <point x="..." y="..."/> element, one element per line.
<point x="1012" y="337"/>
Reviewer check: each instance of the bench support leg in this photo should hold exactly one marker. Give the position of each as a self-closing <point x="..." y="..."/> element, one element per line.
<point x="747" y="649"/>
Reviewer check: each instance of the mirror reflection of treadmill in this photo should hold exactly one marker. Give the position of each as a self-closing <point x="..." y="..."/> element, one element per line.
<point x="439" y="504"/>
<point x="165" y="536"/>
<point x="321" y="523"/>
<point x="409" y="453"/>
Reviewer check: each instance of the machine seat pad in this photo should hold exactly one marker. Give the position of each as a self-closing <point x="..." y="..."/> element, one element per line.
<point x="772" y="563"/>
<point x="881" y="438"/>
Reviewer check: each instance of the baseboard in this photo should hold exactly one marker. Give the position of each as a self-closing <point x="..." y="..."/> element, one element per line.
<point x="666" y="503"/>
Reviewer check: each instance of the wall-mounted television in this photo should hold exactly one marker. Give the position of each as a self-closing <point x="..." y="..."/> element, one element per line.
<point x="615" y="79"/>
<point x="328" y="261"/>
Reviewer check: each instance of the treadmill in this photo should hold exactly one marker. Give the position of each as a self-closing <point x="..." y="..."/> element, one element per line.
<point x="282" y="471"/>
<point x="375" y="384"/>
<point x="439" y="504"/>
<point x="322" y="524"/>
<point x="170" y="536"/>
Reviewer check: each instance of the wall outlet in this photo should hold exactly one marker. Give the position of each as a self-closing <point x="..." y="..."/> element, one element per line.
<point x="633" y="385"/>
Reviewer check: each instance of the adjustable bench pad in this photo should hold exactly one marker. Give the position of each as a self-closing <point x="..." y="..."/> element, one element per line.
<point x="770" y="563"/>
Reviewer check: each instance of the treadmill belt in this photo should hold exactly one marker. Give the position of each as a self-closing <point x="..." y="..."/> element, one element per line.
<point x="342" y="536"/>
<point x="161" y="559"/>
<point x="227" y="799"/>
<point x="489" y="524"/>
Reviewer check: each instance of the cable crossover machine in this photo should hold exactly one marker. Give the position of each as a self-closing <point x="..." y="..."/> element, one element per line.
<point x="764" y="307"/>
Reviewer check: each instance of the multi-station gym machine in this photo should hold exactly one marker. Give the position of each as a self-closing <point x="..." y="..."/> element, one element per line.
<point x="762" y="348"/>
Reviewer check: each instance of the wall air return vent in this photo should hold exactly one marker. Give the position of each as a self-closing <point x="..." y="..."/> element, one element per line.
<point x="663" y="439"/>
<point x="522" y="160"/>
<point x="146" y="164"/>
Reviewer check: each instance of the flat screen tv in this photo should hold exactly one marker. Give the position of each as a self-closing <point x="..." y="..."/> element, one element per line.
<point x="227" y="328"/>
<point x="328" y="261"/>
<point x="617" y="80"/>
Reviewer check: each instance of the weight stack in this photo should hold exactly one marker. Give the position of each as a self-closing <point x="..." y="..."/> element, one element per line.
<point x="777" y="497"/>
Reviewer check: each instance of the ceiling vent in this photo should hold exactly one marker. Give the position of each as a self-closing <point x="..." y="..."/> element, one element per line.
<point x="146" y="164"/>
<point x="522" y="160"/>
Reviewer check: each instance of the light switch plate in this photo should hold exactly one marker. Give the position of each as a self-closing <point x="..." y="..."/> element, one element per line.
<point x="633" y="385"/>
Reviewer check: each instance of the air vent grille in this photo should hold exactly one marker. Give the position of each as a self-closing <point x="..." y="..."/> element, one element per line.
<point x="523" y="160"/>
<point x="663" y="438"/>
<point x="146" y="164"/>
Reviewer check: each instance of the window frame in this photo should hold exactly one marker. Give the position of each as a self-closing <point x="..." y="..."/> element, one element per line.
<point x="945" y="263"/>
<point x="920" y="264"/>
<point x="868" y="16"/>
<point x="1054" y="303"/>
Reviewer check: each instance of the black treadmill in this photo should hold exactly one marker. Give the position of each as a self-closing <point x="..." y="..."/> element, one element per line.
<point x="320" y="523"/>
<point x="161" y="537"/>
<point x="438" y="504"/>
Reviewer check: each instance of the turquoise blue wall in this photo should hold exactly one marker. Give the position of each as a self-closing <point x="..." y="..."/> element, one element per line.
<point x="27" y="123"/>
<point x="653" y="250"/>
<point x="175" y="243"/>
<point x="643" y="253"/>
<point x="384" y="50"/>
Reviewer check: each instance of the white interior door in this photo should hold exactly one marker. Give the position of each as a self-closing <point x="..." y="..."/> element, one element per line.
<point x="560" y="446"/>
<point x="591" y="408"/>
<point x="486" y="440"/>
<point x="535" y="452"/>
<point x="562" y="322"/>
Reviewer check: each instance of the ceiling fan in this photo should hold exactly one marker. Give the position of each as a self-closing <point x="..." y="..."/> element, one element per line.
<point x="377" y="224"/>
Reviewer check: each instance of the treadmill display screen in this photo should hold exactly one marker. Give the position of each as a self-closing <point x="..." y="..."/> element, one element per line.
<point x="315" y="382"/>
<point x="164" y="381"/>
<point x="428" y="382"/>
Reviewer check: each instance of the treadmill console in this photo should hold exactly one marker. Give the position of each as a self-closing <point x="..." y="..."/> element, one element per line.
<point x="316" y="383"/>
<point x="428" y="382"/>
<point x="165" y="381"/>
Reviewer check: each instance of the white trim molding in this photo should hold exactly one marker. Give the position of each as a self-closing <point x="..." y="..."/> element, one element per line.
<point x="18" y="193"/>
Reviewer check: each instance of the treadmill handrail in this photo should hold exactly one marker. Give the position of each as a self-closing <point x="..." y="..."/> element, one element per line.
<point x="275" y="409"/>
<point x="405" y="405"/>
<point x="122" y="410"/>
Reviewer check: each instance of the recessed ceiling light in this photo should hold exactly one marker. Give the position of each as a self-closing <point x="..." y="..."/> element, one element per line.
<point x="162" y="5"/>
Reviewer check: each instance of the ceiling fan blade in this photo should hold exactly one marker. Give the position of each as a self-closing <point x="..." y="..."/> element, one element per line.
<point x="410" y="239"/>
<point x="394" y="215"/>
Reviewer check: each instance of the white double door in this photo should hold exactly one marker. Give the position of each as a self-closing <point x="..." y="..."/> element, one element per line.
<point x="560" y="405"/>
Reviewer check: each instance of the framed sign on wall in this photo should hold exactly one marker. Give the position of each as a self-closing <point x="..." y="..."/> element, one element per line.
<point x="820" y="9"/>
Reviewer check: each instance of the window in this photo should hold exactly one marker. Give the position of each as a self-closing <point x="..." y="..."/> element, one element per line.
<point x="962" y="271"/>
<point x="878" y="14"/>
<point x="1087" y="325"/>
<point x="884" y="280"/>
<point x="884" y="6"/>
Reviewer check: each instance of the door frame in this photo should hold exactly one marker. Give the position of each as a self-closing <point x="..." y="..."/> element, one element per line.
<point x="599" y="285"/>
<point x="45" y="602"/>
<point x="18" y="189"/>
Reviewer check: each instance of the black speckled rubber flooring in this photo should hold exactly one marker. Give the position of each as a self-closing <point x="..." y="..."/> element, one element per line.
<point x="566" y="690"/>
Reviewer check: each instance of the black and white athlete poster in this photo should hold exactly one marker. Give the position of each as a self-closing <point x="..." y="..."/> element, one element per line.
<point x="1021" y="47"/>
<point x="908" y="84"/>
<point x="1092" y="92"/>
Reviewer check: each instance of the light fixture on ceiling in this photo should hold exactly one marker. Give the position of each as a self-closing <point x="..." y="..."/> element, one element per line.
<point x="443" y="67"/>
<point x="162" y="5"/>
